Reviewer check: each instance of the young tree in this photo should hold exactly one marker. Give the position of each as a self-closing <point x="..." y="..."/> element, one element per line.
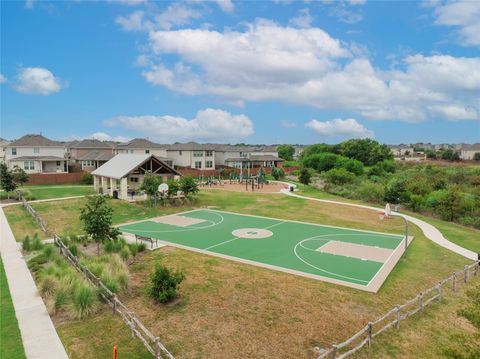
<point x="277" y="173"/>
<point x="6" y="180"/>
<point x="97" y="220"/>
<point x="305" y="176"/>
<point x="150" y="186"/>
<point x="19" y="176"/>
<point x="188" y="186"/>
<point x="286" y="152"/>
<point x="450" y="205"/>
<point x="164" y="283"/>
<point x="172" y="187"/>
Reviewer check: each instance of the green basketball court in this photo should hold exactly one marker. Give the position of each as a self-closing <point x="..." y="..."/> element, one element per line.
<point x="355" y="258"/>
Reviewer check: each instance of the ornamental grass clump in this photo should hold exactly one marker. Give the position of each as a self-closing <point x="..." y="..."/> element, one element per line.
<point x="84" y="301"/>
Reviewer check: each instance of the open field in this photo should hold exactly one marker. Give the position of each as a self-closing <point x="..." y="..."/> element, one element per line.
<point x="358" y="259"/>
<point x="11" y="345"/>
<point x="234" y="310"/>
<point x="46" y="192"/>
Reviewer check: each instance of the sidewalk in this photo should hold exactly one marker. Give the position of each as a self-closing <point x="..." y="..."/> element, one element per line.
<point x="428" y="230"/>
<point x="43" y="200"/>
<point x="40" y="339"/>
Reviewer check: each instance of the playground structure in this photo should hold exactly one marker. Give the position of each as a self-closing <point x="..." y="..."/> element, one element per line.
<point x="251" y="181"/>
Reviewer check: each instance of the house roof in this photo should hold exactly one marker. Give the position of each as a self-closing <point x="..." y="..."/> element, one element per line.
<point x="474" y="147"/>
<point x="38" y="158"/>
<point x="93" y="143"/>
<point x="95" y="155"/>
<point x="140" y="143"/>
<point x="122" y="164"/>
<point x="35" y="140"/>
<point x="255" y="158"/>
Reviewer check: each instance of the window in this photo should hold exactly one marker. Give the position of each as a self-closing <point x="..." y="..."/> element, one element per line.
<point x="147" y="151"/>
<point x="170" y="163"/>
<point x="58" y="163"/>
<point x="14" y="151"/>
<point x="208" y="153"/>
<point x="36" y="150"/>
<point x="133" y="179"/>
<point x="29" y="165"/>
<point x="208" y="164"/>
<point x="243" y="154"/>
<point x="198" y="164"/>
<point x="197" y="153"/>
<point x="88" y="164"/>
<point x="180" y="153"/>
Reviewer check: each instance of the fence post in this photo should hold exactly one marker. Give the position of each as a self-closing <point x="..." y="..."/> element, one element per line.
<point x="132" y="324"/>
<point x="158" y="351"/>
<point x="465" y="274"/>
<point x="454" y="282"/>
<point x="477" y="267"/>
<point x="114" y="304"/>
<point x="334" y="351"/>
<point x="421" y="301"/>
<point x="397" y="325"/>
<point x="439" y="290"/>
<point x="369" y="335"/>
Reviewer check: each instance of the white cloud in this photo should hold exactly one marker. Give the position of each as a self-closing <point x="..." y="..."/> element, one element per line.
<point x="3" y="79"/>
<point x="303" y="18"/>
<point x="173" y="16"/>
<point x="29" y="4"/>
<point x="128" y="2"/>
<point x="337" y="127"/>
<point x="357" y="2"/>
<point x="209" y="125"/>
<point x="37" y="81"/>
<point x="102" y="136"/>
<point x="268" y="62"/>
<point x="345" y="15"/>
<point x="463" y="14"/>
<point x="225" y="5"/>
<point x="288" y="124"/>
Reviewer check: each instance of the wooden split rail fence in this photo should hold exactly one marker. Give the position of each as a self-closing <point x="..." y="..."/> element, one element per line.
<point x="138" y="329"/>
<point x="401" y="312"/>
<point x="33" y="213"/>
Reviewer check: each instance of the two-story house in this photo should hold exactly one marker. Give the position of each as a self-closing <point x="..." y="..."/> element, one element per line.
<point x="90" y="154"/>
<point x="192" y="155"/>
<point x="142" y="146"/>
<point x="37" y="154"/>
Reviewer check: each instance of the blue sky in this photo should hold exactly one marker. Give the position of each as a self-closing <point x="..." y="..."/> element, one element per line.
<point x="253" y="72"/>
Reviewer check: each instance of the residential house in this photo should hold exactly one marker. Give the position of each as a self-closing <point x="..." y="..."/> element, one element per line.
<point x="192" y="155"/>
<point x="37" y="154"/>
<point x="144" y="146"/>
<point x="3" y="149"/>
<point x="123" y="175"/>
<point x="401" y="150"/>
<point x="468" y="151"/>
<point x="90" y="154"/>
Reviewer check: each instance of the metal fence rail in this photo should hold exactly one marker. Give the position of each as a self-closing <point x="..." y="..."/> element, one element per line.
<point x="392" y="318"/>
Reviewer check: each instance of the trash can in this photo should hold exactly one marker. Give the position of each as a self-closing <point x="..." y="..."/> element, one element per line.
<point x="292" y="188"/>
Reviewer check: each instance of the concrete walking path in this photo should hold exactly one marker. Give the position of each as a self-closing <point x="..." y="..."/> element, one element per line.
<point x="40" y="339"/>
<point x="44" y="200"/>
<point x="428" y="230"/>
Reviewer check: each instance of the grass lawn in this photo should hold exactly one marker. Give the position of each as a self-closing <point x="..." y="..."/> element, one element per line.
<point x="235" y="310"/>
<point x="59" y="191"/>
<point x="11" y="345"/>
<point x="22" y="223"/>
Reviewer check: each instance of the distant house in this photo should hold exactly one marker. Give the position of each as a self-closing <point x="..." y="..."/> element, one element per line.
<point x="139" y="146"/>
<point x="401" y="150"/>
<point x="37" y="154"/>
<point x="468" y="151"/>
<point x="3" y="149"/>
<point x="123" y="175"/>
<point x="192" y="155"/>
<point x="90" y="154"/>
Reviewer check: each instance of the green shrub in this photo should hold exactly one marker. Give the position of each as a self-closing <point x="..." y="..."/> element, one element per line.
<point x="133" y="247"/>
<point x="125" y="253"/>
<point x="49" y="251"/>
<point x="27" y="244"/>
<point x="37" y="243"/>
<point x="339" y="176"/>
<point x="278" y="173"/>
<point x="87" y="178"/>
<point x="142" y="247"/>
<point x="59" y="300"/>
<point x="164" y="284"/>
<point x="84" y="301"/>
<point x="73" y="249"/>
<point x="36" y="262"/>
<point x="48" y="284"/>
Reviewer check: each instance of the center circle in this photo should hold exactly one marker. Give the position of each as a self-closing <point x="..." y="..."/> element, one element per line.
<point x="253" y="233"/>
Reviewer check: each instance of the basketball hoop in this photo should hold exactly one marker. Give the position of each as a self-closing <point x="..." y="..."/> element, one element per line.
<point x="163" y="188"/>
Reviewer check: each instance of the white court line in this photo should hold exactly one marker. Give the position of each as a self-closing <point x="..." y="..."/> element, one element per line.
<point x="387" y="261"/>
<point x="233" y="239"/>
